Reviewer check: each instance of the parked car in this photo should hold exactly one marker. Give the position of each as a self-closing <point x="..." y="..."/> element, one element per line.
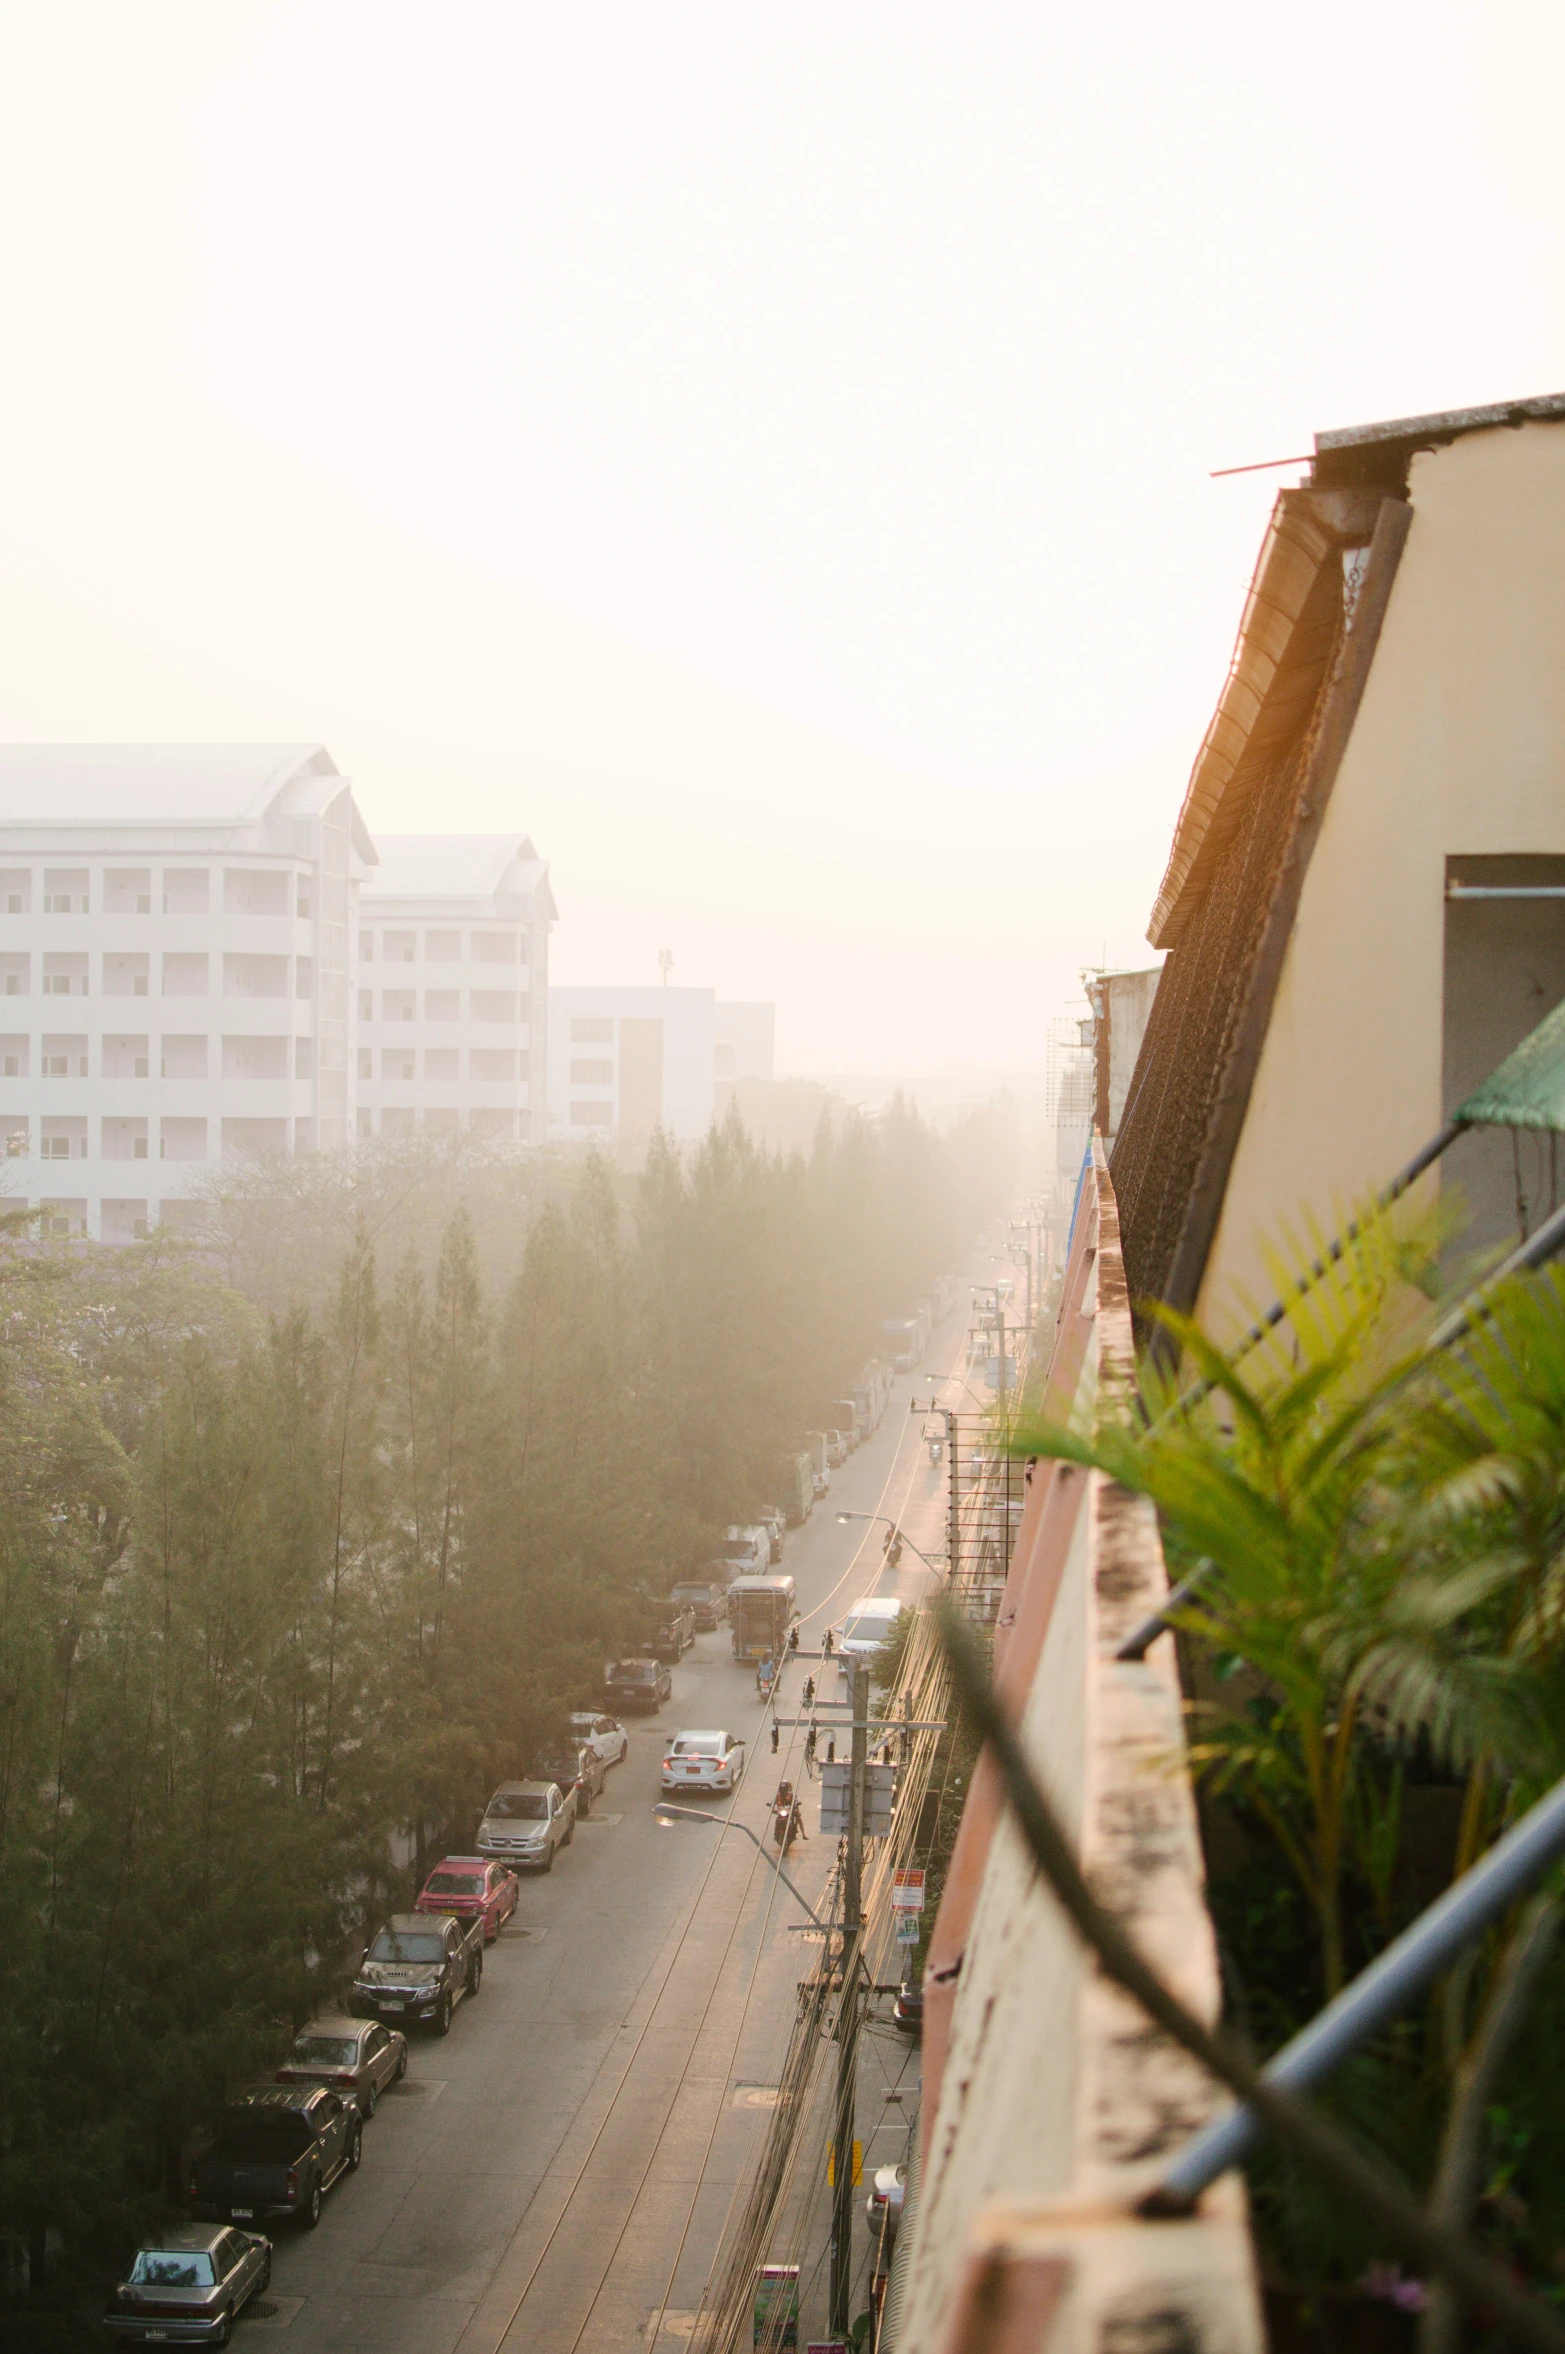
<point x="472" y="1887"/>
<point x="278" y="2151"/>
<point x="575" y="1765"/>
<point x="707" y="1599"/>
<point x="836" y="1449"/>
<point x="188" y="2286"/>
<point x="638" y="1683"/>
<point x="358" y="2059"/>
<point x="607" y="1735"/>
<point x="907" y="2012"/>
<point x="418" y="1967"/>
<point x="747" y="1551"/>
<point x="675" y="1636"/>
<point x="528" y="1823"/>
<point x="776" y="1528"/>
<point x="704" y="1761"/>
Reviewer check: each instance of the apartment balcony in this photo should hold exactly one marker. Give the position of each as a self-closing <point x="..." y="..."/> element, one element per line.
<point x="1050" y="2104"/>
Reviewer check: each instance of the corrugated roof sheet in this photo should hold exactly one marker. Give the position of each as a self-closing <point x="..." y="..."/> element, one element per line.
<point x="1528" y="1089"/>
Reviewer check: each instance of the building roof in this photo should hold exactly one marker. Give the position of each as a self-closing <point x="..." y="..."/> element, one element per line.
<point x="455" y="866"/>
<point x="149" y="784"/>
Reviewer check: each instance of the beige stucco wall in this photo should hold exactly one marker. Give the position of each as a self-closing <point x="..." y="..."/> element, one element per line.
<point x="1459" y="747"/>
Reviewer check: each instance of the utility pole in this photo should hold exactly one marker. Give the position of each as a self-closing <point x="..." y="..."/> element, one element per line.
<point x="843" y="2189"/>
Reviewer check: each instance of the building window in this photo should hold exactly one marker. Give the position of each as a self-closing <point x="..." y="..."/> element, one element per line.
<point x="250" y="890"/>
<point x="494" y="948"/>
<point x="184" y="976"/>
<point x="183" y="1058"/>
<point x="396" y="1062"/>
<point x="442" y="1062"/>
<point x="442" y="1005"/>
<point x="366" y="948"/>
<point x="65" y="891"/>
<point x="399" y="948"/>
<point x="366" y="1005"/>
<point x="366" y="1124"/>
<point x="588" y="1074"/>
<point x="399" y="1005"/>
<point x="127" y="891"/>
<point x="492" y="1062"/>
<point x="592" y="1115"/>
<point x="592" y="1031"/>
<point x="185" y="890"/>
<point x="493" y="1005"/>
<point x="366" y="1062"/>
<point x="182" y="1140"/>
<point x="442" y="947"/>
<point x="16" y="889"/>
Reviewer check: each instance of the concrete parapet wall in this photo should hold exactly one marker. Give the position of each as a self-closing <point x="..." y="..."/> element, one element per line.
<point x="1050" y="2102"/>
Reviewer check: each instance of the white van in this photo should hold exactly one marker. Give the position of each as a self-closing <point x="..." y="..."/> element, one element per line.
<point x="865" y="1628"/>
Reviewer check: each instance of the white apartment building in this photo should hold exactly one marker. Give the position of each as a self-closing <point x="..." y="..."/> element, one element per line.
<point x="623" y="1062"/>
<point x="176" y="930"/>
<point x="452" y="969"/>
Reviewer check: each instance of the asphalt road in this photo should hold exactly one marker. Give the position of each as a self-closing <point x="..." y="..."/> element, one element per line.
<point x="555" y="2174"/>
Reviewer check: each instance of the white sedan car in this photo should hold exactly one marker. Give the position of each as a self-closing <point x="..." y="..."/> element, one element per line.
<point x="605" y="1734"/>
<point x="704" y="1761"/>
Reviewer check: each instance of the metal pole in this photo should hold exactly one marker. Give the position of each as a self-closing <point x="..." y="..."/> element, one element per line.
<point x="1377" y="1995"/>
<point x="848" y="2018"/>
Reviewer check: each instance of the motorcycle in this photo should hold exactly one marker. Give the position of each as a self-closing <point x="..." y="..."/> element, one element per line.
<point x="937" y="1448"/>
<point x="787" y="1822"/>
<point x="765" y="1678"/>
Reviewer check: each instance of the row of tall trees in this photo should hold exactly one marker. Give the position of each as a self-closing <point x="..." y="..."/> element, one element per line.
<point x="301" y="1550"/>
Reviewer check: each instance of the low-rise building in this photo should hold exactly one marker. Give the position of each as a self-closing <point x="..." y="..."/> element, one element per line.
<point x="176" y="931"/>
<point x="451" y="985"/>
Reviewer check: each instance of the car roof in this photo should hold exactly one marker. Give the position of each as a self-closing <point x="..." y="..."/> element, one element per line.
<point x="417" y="1924"/>
<point x="461" y="1863"/>
<point x="278" y="2096"/>
<point x="333" y="2023"/>
<point x="183" y="2239"/>
<point x="875" y="1606"/>
<point x="532" y="1789"/>
<point x="702" y="1733"/>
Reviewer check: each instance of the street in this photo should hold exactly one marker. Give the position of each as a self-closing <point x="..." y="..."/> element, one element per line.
<point x="556" y="2173"/>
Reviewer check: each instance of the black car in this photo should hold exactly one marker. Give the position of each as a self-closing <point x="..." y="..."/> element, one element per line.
<point x="185" y="2287"/>
<point x="907" y="2012"/>
<point x="574" y="1765"/>
<point x="278" y="2151"/>
<point x="418" y="1967"/>
<point x="638" y="1683"/>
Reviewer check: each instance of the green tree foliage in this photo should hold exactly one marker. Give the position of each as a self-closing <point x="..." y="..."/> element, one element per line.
<point x="292" y="1574"/>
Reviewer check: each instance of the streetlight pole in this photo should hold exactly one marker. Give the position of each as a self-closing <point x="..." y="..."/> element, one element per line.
<point x="848" y="2018"/>
<point x="886" y="1521"/>
<point x="665" y="1812"/>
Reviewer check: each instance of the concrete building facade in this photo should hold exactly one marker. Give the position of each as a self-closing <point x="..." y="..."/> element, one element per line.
<point x="1364" y="906"/>
<point x="176" y="944"/>
<point x="451" y="987"/>
<point x="624" y="1062"/>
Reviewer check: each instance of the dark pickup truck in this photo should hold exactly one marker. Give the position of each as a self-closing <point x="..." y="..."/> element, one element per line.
<point x="417" y="1969"/>
<point x="638" y="1683"/>
<point x="278" y="2151"/>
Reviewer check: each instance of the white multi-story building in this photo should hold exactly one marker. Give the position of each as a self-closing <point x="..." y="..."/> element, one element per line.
<point x="452" y="982"/>
<point x="176" y="929"/>
<point x="623" y="1062"/>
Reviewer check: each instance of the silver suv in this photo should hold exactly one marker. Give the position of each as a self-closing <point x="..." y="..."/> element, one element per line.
<point x="526" y="1823"/>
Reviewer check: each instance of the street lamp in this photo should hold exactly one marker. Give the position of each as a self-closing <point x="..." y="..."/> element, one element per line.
<point x="664" y="1814"/>
<point x="896" y="1532"/>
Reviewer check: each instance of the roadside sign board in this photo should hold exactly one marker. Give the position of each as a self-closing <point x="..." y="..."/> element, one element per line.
<point x="907" y="1890"/>
<point x="907" y="1929"/>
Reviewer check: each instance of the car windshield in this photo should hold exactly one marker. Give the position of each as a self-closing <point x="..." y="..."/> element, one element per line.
<point x="639" y="1671"/>
<point x="394" y="1945"/>
<point x="263" y="2137"/>
<point x="699" y="1745"/>
<point x="519" y="1806"/>
<point x="454" y="1884"/>
<point x="171" y="2268"/>
<point x="327" y="2051"/>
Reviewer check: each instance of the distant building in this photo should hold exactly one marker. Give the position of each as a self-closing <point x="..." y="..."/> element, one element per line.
<point x="176" y="928"/>
<point x="1121" y="1008"/>
<point x="623" y="1062"/>
<point x="452" y="986"/>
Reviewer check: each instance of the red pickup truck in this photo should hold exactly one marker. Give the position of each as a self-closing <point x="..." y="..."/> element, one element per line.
<point x="468" y="1885"/>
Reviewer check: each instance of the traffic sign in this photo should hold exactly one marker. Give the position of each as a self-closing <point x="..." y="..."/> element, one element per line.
<point x="907" y="1890"/>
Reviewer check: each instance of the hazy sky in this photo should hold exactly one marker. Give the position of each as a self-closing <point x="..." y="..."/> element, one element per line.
<point x="762" y="451"/>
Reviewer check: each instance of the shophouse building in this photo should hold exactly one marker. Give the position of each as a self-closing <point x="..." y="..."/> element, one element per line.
<point x="452" y="987"/>
<point x="176" y="935"/>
